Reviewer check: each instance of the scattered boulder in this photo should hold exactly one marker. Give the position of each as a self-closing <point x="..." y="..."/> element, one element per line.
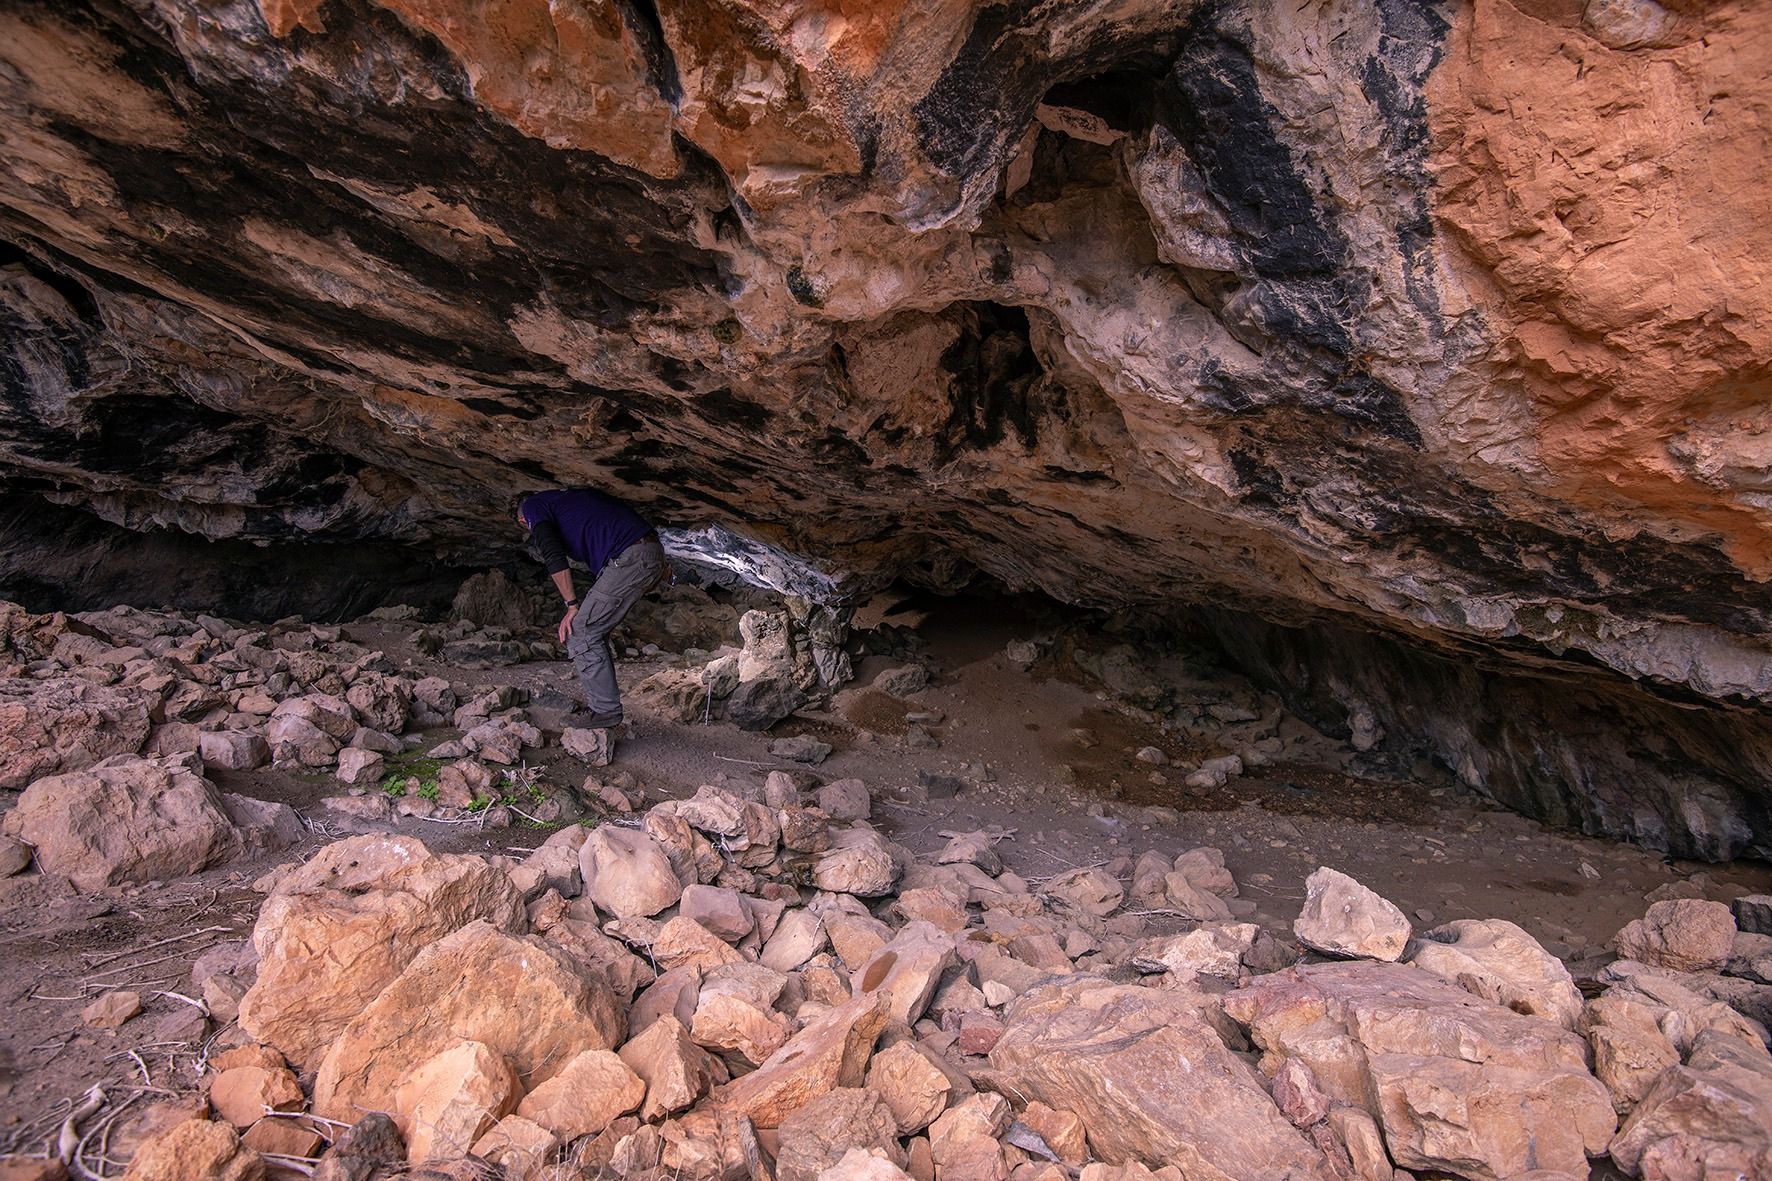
<point x="112" y="1009"/>
<point x="676" y="1071"/>
<point x="518" y="1146"/>
<point x="907" y="969"/>
<point x="1629" y="1049"/>
<point x="1213" y="949"/>
<point x="859" y="862"/>
<point x="1682" y="934"/>
<point x="242" y="1094"/>
<point x="359" y="766"/>
<point x="1753" y="913"/>
<point x="15" y="856"/>
<point x="822" y="1132"/>
<point x="233" y="750"/>
<point x="915" y="1083"/>
<point x="1087" y="891"/>
<point x="1343" y="918"/>
<point x="831" y="1051"/>
<point x="66" y="724"/>
<point x="127" y="819"/>
<point x="903" y="681"/>
<point x="721" y="911"/>
<point x="802" y="748"/>
<point x="595" y="746"/>
<point x="368" y="1148"/>
<point x="1708" y="1118"/>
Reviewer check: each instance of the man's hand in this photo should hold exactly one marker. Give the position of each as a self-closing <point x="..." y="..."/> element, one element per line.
<point x="566" y="623"/>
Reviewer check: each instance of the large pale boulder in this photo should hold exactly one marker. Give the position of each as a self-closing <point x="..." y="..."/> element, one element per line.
<point x="916" y="1084"/>
<point x="342" y="926"/>
<point x="128" y="819"/>
<point x="1151" y="1081"/>
<point x="1682" y="934"/>
<point x="627" y="873"/>
<point x="523" y="999"/>
<point x="1343" y="918"/>
<point x="1496" y="960"/>
<point x="1459" y="1084"/>
<point x="66" y="724"/>
<point x="1629" y="1049"/>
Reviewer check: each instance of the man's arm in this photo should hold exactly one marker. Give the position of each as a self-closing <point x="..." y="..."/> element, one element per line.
<point x="552" y="548"/>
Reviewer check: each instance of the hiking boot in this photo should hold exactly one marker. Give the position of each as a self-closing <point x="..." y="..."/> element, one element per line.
<point x="584" y="719"/>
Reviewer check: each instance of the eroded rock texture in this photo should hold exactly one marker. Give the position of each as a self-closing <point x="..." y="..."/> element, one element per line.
<point x="1443" y="319"/>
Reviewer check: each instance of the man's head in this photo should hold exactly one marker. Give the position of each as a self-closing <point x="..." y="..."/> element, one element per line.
<point x="517" y="509"/>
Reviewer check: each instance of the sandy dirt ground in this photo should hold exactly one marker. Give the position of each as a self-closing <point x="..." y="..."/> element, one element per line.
<point x="1048" y="761"/>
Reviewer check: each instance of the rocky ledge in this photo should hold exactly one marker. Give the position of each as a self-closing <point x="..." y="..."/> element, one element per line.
<point x="1377" y="314"/>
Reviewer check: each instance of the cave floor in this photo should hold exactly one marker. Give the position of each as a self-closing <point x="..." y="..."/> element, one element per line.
<point x="1033" y="754"/>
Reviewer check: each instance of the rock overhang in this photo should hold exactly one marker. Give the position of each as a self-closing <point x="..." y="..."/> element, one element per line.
<point x="1212" y="303"/>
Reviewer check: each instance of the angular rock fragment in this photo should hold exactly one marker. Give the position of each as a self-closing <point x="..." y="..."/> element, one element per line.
<point x="626" y="873"/>
<point x="832" y="1051"/>
<point x="1710" y="1118"/>
<point x="822" y="1132"/>
<point x="1088" y="891"/>
<point x="907" y="970"/>
<point x="196" y="1150"/>
<point x="1629" y="1049"/>
<point x="676" y="1071"/>
<point x="588" y="1093"/>
<point x="1343" y="918"/>
<point x="453" y="1098"/>
<point x="915" y="1084"/>
<point x="858" y="862"/>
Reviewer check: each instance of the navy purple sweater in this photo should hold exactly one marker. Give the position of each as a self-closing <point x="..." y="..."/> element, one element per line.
<point x="581" y="523"/>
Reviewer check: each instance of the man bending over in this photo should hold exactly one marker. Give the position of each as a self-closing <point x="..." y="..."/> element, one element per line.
<point x="623" y="554"/>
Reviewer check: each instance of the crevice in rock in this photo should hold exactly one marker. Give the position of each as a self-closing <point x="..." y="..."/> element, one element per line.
<point x="642" y="19"/>
<point x="56" y="558"/>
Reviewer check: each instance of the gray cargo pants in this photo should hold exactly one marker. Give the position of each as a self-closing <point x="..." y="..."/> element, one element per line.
<point x="619" y="586"/>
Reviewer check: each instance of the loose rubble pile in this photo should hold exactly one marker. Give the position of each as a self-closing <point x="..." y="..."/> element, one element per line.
<point x="739" y="985"/>
<point x="111" y="721"/>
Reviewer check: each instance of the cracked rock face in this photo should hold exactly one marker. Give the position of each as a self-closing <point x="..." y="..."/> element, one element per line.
<point x="1438" y="320"/>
